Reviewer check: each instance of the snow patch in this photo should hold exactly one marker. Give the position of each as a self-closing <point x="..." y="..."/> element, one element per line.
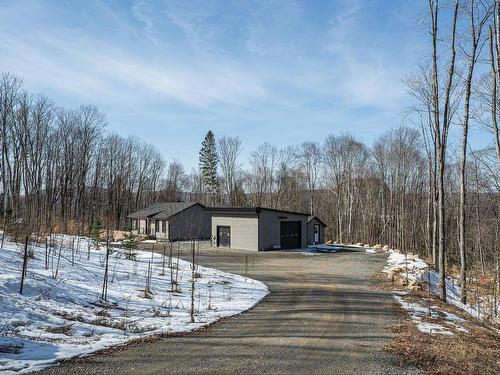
<point x="442" y="322"/>
<point x="62" y="316"/>
<point x="419" y="272"/>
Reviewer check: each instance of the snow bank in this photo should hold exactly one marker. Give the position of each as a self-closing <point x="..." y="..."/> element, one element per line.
<point x="418" y="272"/>
<point x="63" y="316"/>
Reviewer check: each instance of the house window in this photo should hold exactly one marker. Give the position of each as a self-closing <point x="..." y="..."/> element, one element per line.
<point x="157" y="225"/>
<point x="164" y="226"/>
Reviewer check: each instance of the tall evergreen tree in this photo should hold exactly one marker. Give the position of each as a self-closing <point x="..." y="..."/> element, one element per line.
<point x="208" y="165"/>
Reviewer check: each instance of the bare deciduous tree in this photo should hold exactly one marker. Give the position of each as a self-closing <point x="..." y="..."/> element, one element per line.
<point x="229" y="149"/>
<point x="310" y="159"/>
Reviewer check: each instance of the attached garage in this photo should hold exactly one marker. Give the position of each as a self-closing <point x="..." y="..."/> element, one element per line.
<point x="257" y="228"/>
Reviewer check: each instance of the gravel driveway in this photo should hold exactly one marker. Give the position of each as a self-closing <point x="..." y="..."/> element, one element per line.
<point x="323" y="316"/>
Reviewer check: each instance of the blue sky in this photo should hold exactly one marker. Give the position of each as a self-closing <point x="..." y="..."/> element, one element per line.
<point x="267" y="71"/>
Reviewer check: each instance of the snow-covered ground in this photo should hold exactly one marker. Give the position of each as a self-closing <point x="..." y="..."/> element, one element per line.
<point x="61" y="316"/>
<point x="401" y="263"/>
<point x="431" y="319"/>
<point x="419" y="272"/>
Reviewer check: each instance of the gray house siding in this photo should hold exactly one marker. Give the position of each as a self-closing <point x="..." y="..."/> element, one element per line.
<point x="310" y="232"/>
<point x="270" y="228"/>
<point x="193" y="222"/>
<point x="172" y="221"/>
<point x="244" y="230"/>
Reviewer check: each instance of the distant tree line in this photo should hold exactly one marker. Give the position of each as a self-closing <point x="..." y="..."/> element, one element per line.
<point x="61" y="171"/>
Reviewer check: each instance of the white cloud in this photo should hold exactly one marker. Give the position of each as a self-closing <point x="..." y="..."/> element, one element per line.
<point x="365" y="75"/>
<point x="96" y="66"/>
<point x="142" y="13"/>
<point x="103" y="70"/>
<point x="44" y="71"/>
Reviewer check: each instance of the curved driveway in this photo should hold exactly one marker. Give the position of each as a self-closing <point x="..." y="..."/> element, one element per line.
<point x="323" y="316"/>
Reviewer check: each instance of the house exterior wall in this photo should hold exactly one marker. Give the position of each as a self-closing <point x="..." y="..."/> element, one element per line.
<point x="244" y="230"/>
<point x="162" y="233"/>
<point x="133" y="224"/>
<point x="270" y="228"/>
<point x="151" y="227"/>
<point x="146" y="227"/>
<point x="310" y="232"/>
<point x="142" y="226"/>
<point x="256" y="231"/>
<point x="193" y="222"/>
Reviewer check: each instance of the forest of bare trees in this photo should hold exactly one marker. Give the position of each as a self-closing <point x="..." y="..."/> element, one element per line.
<point x="60" y="169"/>
<point x="420" y="187"/>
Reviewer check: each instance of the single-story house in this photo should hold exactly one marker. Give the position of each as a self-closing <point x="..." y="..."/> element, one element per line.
<point x="315" y="231"/>
<point x="258" y="228"/>
<point x="172" y="221"/>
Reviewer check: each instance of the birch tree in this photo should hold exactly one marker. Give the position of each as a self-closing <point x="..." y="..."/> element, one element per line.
<point x="479" y="13"/>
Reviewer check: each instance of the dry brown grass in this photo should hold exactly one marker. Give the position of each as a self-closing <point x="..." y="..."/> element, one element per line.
<point x="103" y="313"/>
<point x="475" y="352"/>
<point x="65" y="330"/>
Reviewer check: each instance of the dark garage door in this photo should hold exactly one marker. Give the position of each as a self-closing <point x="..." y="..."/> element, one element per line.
<point x="291" y="234"/>
<point x="224" y="236"/>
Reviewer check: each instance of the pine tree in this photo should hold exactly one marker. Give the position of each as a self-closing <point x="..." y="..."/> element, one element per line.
<point x="208" y="165"/>
<point x="130" y="244"/>
<point x="95" y="234"/>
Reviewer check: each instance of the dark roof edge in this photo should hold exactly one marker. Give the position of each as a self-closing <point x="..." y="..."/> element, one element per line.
<point x="249" y="210"/>
<point x="317" y="218"/>
<point x="158" y="210"/>
<point x="184" y="209"/>
<point x="138" y="214"/>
